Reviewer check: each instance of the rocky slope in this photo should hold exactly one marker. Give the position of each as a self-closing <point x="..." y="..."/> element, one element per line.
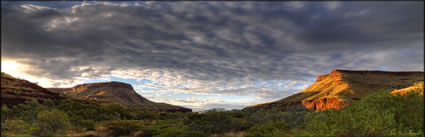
<point x="341" y="87"/>
<point x="117" y="92"/>
<point x="417" y="87"/>
<point x="16" y="91"/>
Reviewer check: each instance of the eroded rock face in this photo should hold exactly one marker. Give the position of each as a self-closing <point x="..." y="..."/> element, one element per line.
<point x="325" y="103"/>
<point x="417" y="87"/>
<point x="321" y="77"/>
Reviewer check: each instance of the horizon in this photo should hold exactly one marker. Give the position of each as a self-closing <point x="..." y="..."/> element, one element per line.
<point x="227" y="55"/>
<point x="224" y="109"/>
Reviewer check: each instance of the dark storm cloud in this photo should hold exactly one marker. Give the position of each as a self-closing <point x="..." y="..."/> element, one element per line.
<point x="215" y="40"/>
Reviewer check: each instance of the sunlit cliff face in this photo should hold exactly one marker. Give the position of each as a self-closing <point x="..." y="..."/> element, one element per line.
<point x="207" y="54"/>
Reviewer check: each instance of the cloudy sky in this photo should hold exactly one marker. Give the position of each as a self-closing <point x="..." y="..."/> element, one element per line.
<point x="204" y="55"/>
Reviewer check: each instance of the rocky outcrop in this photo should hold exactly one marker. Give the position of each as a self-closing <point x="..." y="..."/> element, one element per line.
<point x="340" y="88"/>
<point x="417" y="87"/>
<point x="325" y="103"/>
<point x="321" y="77"/>
<point x="118" y="92"/>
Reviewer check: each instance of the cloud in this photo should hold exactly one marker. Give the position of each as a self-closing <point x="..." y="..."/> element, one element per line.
<point x="211" y="47"/>
<point x="332" y="4"/>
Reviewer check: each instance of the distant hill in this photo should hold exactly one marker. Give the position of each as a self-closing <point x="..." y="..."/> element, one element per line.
<point x="341" y="87"/>
<point x="117" y="92"/>
<point x="16" y="91"/>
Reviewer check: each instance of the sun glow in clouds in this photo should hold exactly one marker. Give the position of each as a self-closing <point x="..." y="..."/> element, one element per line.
<point x="19" y="70"/>
<point x="12" y="67"/>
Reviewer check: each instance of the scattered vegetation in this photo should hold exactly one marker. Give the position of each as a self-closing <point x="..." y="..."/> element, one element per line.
<point x="378" y="114"/>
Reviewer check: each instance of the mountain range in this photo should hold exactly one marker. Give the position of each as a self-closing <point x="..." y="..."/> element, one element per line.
<point x="335" y="90"/>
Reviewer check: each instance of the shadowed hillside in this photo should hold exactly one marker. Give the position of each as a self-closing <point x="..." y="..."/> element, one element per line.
<point x="15" y="91"/>
<point x="117" y="92"/>
<point x="341" y="87"/>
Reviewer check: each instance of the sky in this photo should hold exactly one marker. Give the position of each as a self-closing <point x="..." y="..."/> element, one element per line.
<point x="204" y="55"/>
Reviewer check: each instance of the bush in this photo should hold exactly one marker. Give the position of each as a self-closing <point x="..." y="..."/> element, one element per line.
<point x="184" y="131"/>
<point x="143" y="133"/>
<point x="213" y="122"/>
<point x="4" y="113"/>
<point x="50" y="123"/>
<point x="292" y="115"/>
<point x="16" y="126"/>
<point x="378" y="114"/>
<point x="119" y="127"/>
<point x="269" y="129"/>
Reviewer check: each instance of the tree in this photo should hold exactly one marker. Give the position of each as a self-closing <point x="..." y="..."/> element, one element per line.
<point x="48" y="103"/>
<point x="32" y="108"/>
<point x="269" y="129"/>
<point x="119" y="127"/>
<point x="51" y="122"/>
<point x="17" y="126"/>
<point x="4" y="113"/>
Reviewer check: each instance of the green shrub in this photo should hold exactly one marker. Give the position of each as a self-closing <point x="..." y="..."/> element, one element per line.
<point x="176" y="131"/>
<point x="378" y="114"/>
<point x="212" y="122"/>
<point x="269" y="129"/>
<point x="16" y="126"/>
<point x="50" y="123"/>
<point x="119" y="127"/>
<point x="143" y="133"/>
<point x="4" y="134"/>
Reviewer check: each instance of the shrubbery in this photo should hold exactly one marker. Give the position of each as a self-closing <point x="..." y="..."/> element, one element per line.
<point x="214" y="122"/>
<point x="269" y="129"/>
<point x="17" y="126"/>
<point x="378" y="114"/>
<point x="50" y="123"/>
<point x="119" y="127"/>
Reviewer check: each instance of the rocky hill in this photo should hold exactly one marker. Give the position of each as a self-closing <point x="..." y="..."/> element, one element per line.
<point x="341" y="87"/>
<point x="15" y="91"/>
<point x="117" y="92"/>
